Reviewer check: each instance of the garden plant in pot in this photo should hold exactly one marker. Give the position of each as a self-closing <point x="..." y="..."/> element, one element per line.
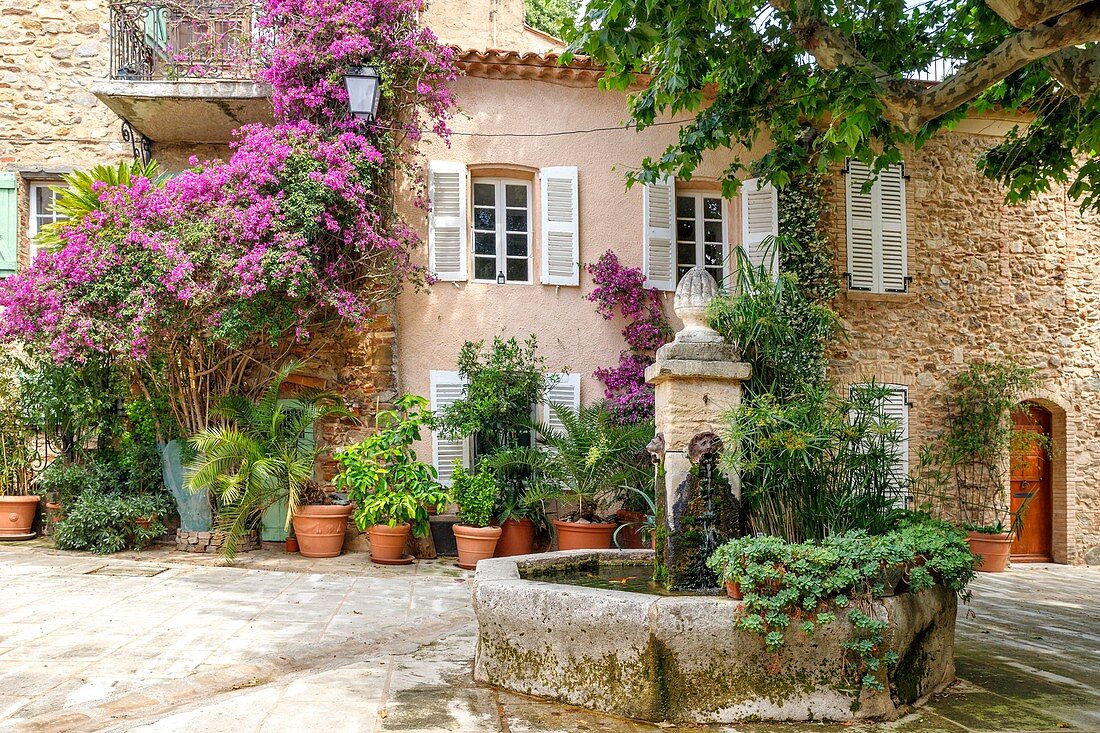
<point x="475" y="494"/>
<point x="18" y="505"/>
<point x="583" y="457"/>
<point x="520" y="512"/>
<point x="392" y="491"/>
<point x="264" y="453"/>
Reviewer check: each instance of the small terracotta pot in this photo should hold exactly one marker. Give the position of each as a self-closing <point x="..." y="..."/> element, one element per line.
<point x="320" y="529"/>
<point x="144" y="522"/>
<point x="579" y="536"/>
<point x="630" y="537"/>
<point x="388" y="543"/>
<point x="17" y="515"/>
<point x="992" y="550"/>
<point x="292" y="545"/>
<point x="517" y="537"/>
<point x="475" y="544"/>
<point x="733" y="590"/>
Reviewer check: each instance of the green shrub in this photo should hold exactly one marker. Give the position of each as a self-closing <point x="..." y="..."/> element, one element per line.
<point x="103" y="522"/>
<point x="475" y="494"/>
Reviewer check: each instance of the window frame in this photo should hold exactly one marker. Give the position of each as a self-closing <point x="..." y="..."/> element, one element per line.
<point x="33" y="214"/>
<point x="700" y="225"/>
<point x="501" y="207"/>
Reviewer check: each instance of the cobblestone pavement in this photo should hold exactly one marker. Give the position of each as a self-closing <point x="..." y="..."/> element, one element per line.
<point x="162" y="642"/>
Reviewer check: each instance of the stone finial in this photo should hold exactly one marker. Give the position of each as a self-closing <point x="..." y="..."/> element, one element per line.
<point x="694" y="293"/>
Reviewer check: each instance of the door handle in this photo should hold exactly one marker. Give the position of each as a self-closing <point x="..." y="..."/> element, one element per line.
<point x="1023" y="494"/>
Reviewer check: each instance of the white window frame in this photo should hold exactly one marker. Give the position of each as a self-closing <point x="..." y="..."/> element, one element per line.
<point x="700" y="220"/>
<point x="33" y="226"/>
<point x="501" y="232"/>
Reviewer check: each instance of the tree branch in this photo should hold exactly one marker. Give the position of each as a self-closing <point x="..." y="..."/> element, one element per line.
<point x="1026" y="13"/>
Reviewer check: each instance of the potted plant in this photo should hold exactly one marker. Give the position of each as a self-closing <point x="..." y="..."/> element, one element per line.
<point x="264" y="453"/>
<point x="585" y="461"/>
<point x="520" y="513"/>
<point x="475" y="494"/>
<point x="18" y="504"/>
<point x="637" y="529"/>
<point x="393" y="492"/>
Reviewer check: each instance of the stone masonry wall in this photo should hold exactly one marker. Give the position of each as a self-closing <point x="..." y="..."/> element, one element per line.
<point x="989" y="280"/>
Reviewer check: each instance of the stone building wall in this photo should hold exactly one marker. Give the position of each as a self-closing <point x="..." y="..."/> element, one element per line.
<point x="988" y="280"/>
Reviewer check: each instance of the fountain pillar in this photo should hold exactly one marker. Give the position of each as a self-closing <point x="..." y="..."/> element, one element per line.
<point x="697" y="381"/>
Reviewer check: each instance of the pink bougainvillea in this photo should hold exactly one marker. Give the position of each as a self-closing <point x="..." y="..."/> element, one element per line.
<point x="621" y="292"/>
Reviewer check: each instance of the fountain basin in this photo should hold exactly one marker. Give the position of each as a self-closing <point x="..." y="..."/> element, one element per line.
<point x="680" y="659"/>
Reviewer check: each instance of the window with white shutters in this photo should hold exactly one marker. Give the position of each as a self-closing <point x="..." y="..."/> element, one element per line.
<point x="566" y="390"/>
<point x="447" y="248"/>
<point x="877" y="256"/>
<point x="895" y="408"/>
<point x="701" y="237"/>
<point x="446" y="388"/>
<point x="560" y="226"/>
<point x="659" y="253"/>
<point x="502" y="230"/>
<point x="760" y="224"/>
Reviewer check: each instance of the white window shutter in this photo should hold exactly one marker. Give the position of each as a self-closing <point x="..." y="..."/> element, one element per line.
<point x="891" y="190"/>
<point x="896" y="408"/>
<point x="447" y="235"/>
<point x="659" y="235"/>
<point x="759" y="222"/>
<point x="565" y="391"/>
<point x="447" y="388"/>
<point x="860" y="210"/>
<point x="560" y="226"/>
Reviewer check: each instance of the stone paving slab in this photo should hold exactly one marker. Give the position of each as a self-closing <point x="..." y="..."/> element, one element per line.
<point x="283" y="643"/>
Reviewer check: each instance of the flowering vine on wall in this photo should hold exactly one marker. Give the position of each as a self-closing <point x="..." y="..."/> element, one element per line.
<point x="193" y="280"/>
<point x="621" y="292"/>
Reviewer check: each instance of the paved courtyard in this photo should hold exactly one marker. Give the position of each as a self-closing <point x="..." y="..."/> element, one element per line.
<point x="163" y="642"/>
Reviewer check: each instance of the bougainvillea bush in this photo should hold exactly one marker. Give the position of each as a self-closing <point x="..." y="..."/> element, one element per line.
<point x="194" y="280"/>
<point x="621" y="292"/>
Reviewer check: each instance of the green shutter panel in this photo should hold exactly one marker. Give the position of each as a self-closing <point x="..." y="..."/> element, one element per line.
<point x="9" y="225"/>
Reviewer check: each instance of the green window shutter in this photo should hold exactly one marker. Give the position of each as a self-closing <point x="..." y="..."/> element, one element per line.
<point x="9" y="225"/>
<point x="273" y="524"/>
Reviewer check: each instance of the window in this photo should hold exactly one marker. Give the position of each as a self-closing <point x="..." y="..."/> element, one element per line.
<point x="877" y="257"/>
<point x="894" y="408"/>
<point x="42" y="199"/>
<point x="502" y="230"/>
<point x="700" y="234"/>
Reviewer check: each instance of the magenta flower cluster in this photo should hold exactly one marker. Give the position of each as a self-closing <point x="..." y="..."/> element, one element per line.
<point x="621" y="292"/>
<point x="297" y="228"/>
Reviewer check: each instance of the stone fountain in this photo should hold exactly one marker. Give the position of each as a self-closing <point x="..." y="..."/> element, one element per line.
<point x="680" y="658"/>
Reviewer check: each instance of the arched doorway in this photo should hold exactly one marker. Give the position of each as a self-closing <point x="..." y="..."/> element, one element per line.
<point x="1032" y="486"/>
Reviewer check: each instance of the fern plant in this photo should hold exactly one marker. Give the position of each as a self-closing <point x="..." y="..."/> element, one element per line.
<point x="261" y="454"/>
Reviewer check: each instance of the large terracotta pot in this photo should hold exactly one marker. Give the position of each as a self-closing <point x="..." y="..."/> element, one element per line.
<point x="630" y="537"/>
<point x="993" y="549"/>
<point x="320" y="529"/>
<point x="17" y="516"/>
<point x="474" y="544"/>
<point x="388" y="543"/>
<point x="517" y="537"/>
<point x="581" y="536"/>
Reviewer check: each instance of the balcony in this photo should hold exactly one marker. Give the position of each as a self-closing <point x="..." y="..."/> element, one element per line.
<point x="182" y="71"/>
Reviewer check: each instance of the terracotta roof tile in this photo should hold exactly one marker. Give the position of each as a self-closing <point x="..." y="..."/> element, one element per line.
<point x="502" y="64"/>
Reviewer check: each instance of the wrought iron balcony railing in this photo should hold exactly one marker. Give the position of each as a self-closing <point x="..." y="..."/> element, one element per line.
<point x="183" y="39"/>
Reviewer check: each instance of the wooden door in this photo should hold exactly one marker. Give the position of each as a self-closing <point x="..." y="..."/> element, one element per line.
<point x="1031" y="483"/>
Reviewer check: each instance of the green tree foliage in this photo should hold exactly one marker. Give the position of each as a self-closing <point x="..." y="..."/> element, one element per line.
<point x="824" y="81"/>
<point x="551" y="16"/>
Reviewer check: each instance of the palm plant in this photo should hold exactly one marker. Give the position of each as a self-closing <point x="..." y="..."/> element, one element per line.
<point x="81" y="196"/>
<point x="587" y="459"/>
<point x="261" y="454"/>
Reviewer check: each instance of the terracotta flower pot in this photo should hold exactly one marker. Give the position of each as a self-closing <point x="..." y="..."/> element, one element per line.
<point x="388" y="543"/>
<point x="630" y="537"/>
<point x="581" y="536"/>
<point x="517" y="537"/>
<point x="292" y="545"/>
<point x="733" y="590"/>
<point x="17" y="516"/>
<point x="992" y="549"/>
<point x="320" y="529"/>
<point x="475" y="543"/>
<point x="144" y="522"/>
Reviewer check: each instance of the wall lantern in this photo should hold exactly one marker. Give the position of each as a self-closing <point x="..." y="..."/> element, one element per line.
<point x="364" y="91"/>
<point x="500" y="278"/>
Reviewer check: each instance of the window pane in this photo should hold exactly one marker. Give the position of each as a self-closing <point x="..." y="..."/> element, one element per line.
<point x="685" y="207"/>
<point x="685" y="254"/>
<point x="680" y="272"/>
<point x="712" y="231"/>
<point x="517" y="270"/>
<point x="716" y="273"/>
<point x="685" y="230"/>
<point x="517" y="220"/>
<point x="485" y="218"/>
<point x="43" y="200"/>
<point x="485" y="243"/>
<point x="516" y="196"/>
<point x="712" y="254"/>
<point x="517" y="245"/>
<point x="712" y="208"/>
<point x="485" y="194"/>
<point x="485" y="268"/>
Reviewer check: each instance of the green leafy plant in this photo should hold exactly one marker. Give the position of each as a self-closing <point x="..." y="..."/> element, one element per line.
<point x="262" y="454"/>
<point x="804" y="585"/>
<point x="475" y="494"/>
<point x="103" y="522"/>
<point x="646" y="528"/>
<point x="551" y="16"/>
<point x="587" y="460"/>
<point x="15" y="432"/>
<point x="382" y="475"/>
